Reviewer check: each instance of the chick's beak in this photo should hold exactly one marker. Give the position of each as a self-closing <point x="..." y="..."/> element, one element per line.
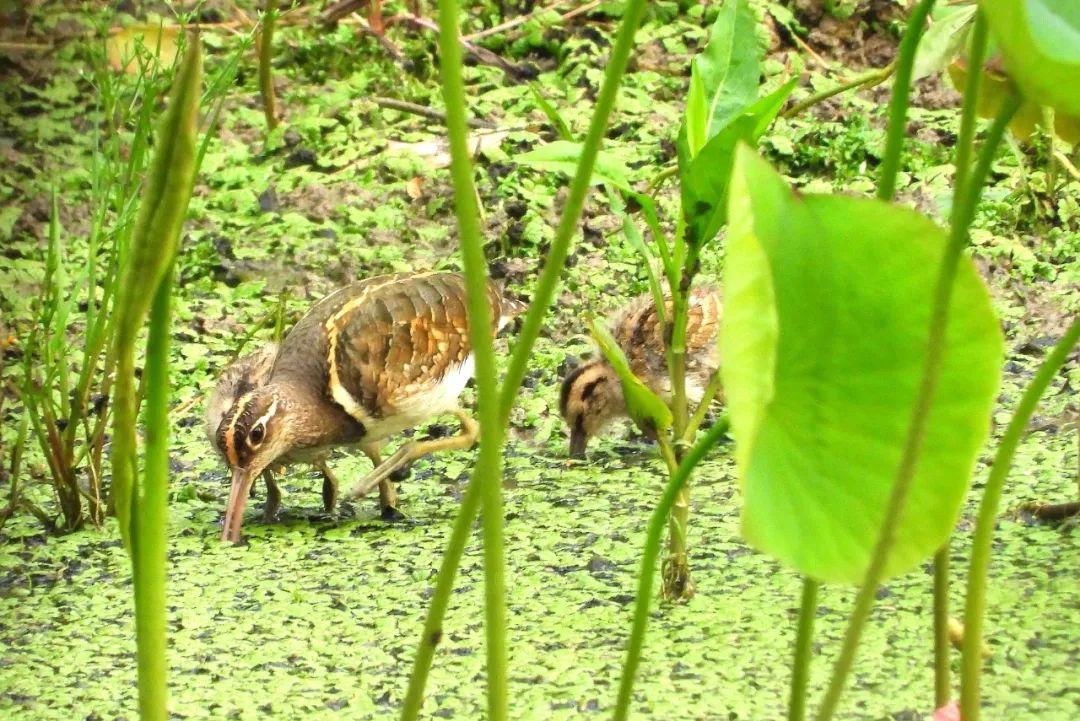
<point x="578" y="441"/>
<point x="234" y="512"/>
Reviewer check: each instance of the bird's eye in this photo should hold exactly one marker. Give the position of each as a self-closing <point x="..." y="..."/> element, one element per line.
<point x="256" y="435"/>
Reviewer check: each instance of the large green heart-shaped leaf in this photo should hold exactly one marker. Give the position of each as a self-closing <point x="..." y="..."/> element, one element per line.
<point x="1040" y="40"/>
<point x="827" y="311"/>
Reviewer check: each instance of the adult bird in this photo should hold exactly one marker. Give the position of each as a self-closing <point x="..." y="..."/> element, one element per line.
<point x="366" y="362"/>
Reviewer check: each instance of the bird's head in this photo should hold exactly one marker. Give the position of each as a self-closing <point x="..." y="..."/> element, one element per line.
<point x="253" y="433"/>
<point x="591" y="397"/>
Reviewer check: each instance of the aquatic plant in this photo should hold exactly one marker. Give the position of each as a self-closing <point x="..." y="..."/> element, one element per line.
<point x="836" y="280"/>
<point x="141" y="500"/>
<point x="861" y="361"/>
<point x="494" y="399"/>
<point x="65" y="387"/>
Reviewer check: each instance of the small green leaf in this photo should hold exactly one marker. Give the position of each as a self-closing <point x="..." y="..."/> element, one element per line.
<point x="723" y="76"/>
<point x="826" y="315"/>
<point x="704" y="181"/>
<point x="647" y="410"/>
<point x="563" y="155"/>
<point x="552" y="113"/>
<point x="942" y="42"/>
<point x="1040" y="40"/>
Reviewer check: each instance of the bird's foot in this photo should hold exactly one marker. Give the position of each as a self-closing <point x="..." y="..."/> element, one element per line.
<point x="390" y="514"/>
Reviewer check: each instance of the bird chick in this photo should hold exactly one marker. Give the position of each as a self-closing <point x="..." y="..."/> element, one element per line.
<point x="592" y="397"/>
<point x="366" y="362"/>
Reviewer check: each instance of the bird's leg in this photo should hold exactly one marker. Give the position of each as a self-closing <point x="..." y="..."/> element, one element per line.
<point x="273" y="497"/>
<point x="329" y="486"/>
<point x="388" y="499"/>
<point x="418" y="449"/>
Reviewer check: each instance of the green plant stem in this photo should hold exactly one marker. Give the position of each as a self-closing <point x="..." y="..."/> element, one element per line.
<point x="266" y="58"/>
<point x="898" y="103"/>
<point x="657" y="180"/>
<point x="942" y="648"/>
<point x="964" y="211"/>
<point x="487" y="473"/>
<point x="1051" y="156"/>
<point x="633" y="12"/>
<point x="676" y="577"/>
<point x="545" y="291"/>
<point x="149" y="523"/>
<point x="676" y="334"/>
<point x="440" y="600"/>
<point x="648" y="563"/>
<point x="667" y="452"/>
<point x="978" y="569"/>
<point x="965" y="141"/>
<point x="707" y="398"/>
<point x="864" y="80"/>
<point x="804" y="648"/>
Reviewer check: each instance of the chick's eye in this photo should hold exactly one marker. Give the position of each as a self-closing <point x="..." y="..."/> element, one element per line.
<point x="256" y="435"/>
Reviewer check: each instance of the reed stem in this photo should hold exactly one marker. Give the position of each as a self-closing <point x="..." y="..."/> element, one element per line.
<point x="942" y="645"/>
<point x="898" y="104"/>
<point x="804" y="648"/>
<point x="647" y="574"/>
<point x="978" y="569"/>
<point x="542" y="297"/>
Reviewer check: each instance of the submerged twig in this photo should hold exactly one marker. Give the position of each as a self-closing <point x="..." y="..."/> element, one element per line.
<point x="426" y="112"/>
<point x="522" y="19"/>
<point x="482" y="55"/>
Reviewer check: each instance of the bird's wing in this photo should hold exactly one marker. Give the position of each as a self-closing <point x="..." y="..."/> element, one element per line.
<point x="398" y="340"/>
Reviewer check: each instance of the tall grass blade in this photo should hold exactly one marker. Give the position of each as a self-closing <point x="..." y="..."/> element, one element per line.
<point x="145" y="281"/>
<point x="470" y="505"/>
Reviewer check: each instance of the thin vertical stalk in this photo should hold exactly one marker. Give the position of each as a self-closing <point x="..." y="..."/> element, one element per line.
<point x="145" y="283"/>
<point x="963" y="213"/>
<point x="975" y="604"/>
<point x="648" y="563"/>
<point x="964" y="150"/>
<point x="266" y="59"/>
<point x="487" y="473"/>
<point x="707" y="398"/>
<point x="676" y="583"/>
<point x="804" y="648"/>
<point x="898" y="104"/>
<point x="633" y="12"/>
<point x="542" y="297"/>
<point x="942" y="646"/>
<point x="148" y="538"/>
<point x="440" y="599"/>
<point x="965" y="141"/>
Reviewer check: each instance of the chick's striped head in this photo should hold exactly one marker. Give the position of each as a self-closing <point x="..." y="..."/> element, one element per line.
<point x="591" y="397"/>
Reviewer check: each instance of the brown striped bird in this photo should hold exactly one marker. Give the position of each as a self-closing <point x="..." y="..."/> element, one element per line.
<point x="366" y="362"/>
<point x="592" y="396"/>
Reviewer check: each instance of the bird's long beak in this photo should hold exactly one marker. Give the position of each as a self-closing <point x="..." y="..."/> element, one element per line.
<point x="578" y="441"/>
<point x="234" y="512"/>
